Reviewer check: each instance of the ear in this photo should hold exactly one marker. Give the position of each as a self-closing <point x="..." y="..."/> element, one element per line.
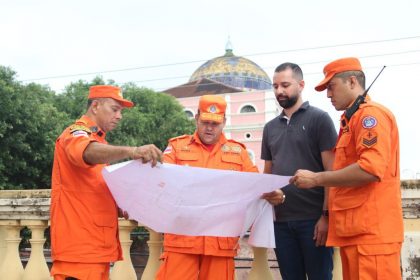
<point x="302" y="84"/>
<point x="353" y="82"/>
<point x="94" y="106"/>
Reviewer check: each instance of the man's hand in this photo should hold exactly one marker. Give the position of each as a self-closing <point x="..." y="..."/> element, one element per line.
<point x="321" y="231"/>
<point x="275" y="197"/>
<point x="123" y="214"/>
<point x="304" y="179"/>
<point x="147" y="153"/>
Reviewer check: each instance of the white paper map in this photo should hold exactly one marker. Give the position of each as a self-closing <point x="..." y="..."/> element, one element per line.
<point x="196" y="201"/>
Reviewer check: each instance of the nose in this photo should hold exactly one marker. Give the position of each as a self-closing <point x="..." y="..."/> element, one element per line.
<point x="329" y="93"/>
<point x="118" y="115"/>
<point x="277" y="91"/>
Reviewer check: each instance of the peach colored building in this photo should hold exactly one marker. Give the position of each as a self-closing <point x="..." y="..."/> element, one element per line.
<point x="247" y="91"/>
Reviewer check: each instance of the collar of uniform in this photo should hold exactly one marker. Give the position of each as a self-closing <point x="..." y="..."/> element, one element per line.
<point x="196" y="138"/>
<point x="91" y="124"/>
<point x="367" y="99"/>
<point x="304" y="106"/>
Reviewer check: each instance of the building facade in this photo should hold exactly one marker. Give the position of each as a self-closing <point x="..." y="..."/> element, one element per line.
<point x="247" y="90"/>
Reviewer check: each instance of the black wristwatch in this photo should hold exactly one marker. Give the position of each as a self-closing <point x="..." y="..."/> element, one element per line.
<point x="325" y="213"/>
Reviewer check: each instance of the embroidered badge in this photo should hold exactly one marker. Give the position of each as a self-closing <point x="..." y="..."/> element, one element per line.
<point x="236" y="149"/>
<point x="79" y="133"/>
<point x="185" y="149"/>
<point x="79" y="130"/>
<point x="168" y="150"/>
<point x="212" y="109"/>
<point x="369" y="122"/>
<point x="76" y="127"/>
<point x="369" y="139"/>
<point x="225" y="148"/>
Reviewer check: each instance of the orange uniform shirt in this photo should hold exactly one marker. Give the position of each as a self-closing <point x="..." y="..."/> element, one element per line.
<point x="226" y="155"/>
<point x="84" y="218"/>
<point x="370" y="214"/>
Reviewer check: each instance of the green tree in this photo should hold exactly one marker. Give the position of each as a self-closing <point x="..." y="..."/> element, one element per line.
<point x="74" y="98"/>
<point x="29" y="125"/>
<point x="32" y="117"/>
<point x="156" y="118"/>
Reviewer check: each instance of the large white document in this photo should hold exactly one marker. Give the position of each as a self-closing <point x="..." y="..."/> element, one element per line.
<point x="196" y="201"/>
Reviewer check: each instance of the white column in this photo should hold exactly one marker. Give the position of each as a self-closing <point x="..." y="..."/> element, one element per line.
<point x="124" y="270"/>
<point x="11" y="268"/>
<point x="155" y="244"/>
<point x="2" y="243"/>
<point x="37" y="268"/>
<point x="260" y="268"/>
<point x="338" y="270"/>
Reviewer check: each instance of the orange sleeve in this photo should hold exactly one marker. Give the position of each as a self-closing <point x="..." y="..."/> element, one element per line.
<point x="248" y="166"/>
<point x="169" y="155"/>
<point x="373" y="141"/>
<point x="74" y="147"/>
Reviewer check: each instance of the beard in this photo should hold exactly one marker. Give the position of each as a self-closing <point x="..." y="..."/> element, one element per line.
<point x="288" y="102"/>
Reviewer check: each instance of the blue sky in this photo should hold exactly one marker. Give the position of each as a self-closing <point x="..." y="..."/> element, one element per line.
<point x="48" y="38"/>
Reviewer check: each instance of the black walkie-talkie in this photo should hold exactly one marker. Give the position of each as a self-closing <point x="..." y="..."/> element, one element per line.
<point x="359" y="100"/>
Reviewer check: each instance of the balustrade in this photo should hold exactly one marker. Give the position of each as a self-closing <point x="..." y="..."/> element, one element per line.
<point x="30" y="208"/>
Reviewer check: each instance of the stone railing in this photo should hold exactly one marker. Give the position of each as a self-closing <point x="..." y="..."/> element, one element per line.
<point x="30" y="208"/>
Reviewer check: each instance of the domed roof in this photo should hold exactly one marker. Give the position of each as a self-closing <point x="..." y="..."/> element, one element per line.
<point x="234" y="71"/>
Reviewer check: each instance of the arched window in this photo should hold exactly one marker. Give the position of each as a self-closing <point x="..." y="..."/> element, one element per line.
<point x="248" y="109"/>
<point x="189" y="114"/>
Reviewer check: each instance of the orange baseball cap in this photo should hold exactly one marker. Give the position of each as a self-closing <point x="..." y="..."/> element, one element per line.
<point x="338" y="66"/>
<point x="212" y="108"/>
<point x="104" y="91"/>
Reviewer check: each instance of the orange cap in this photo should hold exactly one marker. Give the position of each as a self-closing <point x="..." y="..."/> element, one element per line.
<point x="103" y="91"/>
<point x="338" y="66"/>
<point x="212" y="108"/>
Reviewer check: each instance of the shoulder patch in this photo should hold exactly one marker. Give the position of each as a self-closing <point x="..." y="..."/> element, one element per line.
<point x="78" y="127"/>
<point x="369" y="122"/>
<point x="168" y="150"/>
<point x="236" y="149"/>
<point x="369" y="139"/>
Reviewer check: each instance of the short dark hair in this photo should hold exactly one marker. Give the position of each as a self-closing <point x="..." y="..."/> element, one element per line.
<point x="89" y="102"/>
<point x="297" y="71"/>
<point x="360" y="76"/>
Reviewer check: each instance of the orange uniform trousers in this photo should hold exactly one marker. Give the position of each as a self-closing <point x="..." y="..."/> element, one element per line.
<point x="81" y="271"/>
<point x="179" y="266"/>
<point x="359" y="264"/>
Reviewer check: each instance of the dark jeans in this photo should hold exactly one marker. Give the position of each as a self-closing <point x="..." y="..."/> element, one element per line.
<point x="297" y="254"/>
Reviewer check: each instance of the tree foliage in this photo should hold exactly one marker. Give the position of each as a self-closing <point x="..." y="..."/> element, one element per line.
<point x="155" y="118"/>
<point x="29" y="124"/>
<point x="32" y="117"/>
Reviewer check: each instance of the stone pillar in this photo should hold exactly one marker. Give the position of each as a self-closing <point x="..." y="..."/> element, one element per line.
<point x="11" y="268"/>
<point x="260" y="268"/>
<point x="124" y="270"/>
<point x="37" y="268"/>
<point x="155" y="244"/>
<point x="338" y="270"/>
<point x="2" y="243"/>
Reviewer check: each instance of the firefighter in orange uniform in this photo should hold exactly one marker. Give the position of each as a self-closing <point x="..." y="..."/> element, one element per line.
<point x="84" y="216"/>
<point x="204" y="257"/>
<point x="365" y="198"/>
